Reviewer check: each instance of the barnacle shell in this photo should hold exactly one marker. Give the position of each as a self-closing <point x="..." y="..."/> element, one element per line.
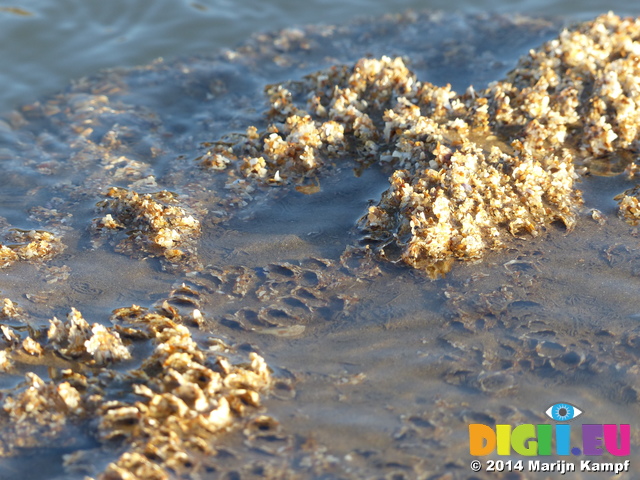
<point x="29" y="245"/>
<point x="629" y="205"/>
<point x="105" y="346"/>
<point x="157" y="226"/>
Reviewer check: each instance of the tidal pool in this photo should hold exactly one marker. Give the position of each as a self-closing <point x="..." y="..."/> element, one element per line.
<point x="376" y="370"/>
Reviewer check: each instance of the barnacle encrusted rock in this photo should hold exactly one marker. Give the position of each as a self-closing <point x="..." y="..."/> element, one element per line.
<point x="187" y="398"/>
<point x="94" y="344"/>
<point x="156" y="225"/>
<point x="582" y="88"/>
<point x="37" y="414"/>
<point x="629" y="205"/>
<point x="470" y="170"/>
<point x="457" y="186"/>
<point x="29" y="245"/>
<point x="186" y="394"/>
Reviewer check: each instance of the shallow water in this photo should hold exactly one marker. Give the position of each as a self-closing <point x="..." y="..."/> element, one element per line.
<point x="388" y="385"/>
<point x="48" y="44"/>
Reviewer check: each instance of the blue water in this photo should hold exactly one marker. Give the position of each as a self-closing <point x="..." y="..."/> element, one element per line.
<point x="47" y="43"/>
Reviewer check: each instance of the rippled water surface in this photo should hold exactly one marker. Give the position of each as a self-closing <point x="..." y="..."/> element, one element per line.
<point x="381" y="374"/>
<point x="49" y="43"/>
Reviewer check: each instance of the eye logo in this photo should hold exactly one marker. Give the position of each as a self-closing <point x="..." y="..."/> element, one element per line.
<point x="563" y="412"/>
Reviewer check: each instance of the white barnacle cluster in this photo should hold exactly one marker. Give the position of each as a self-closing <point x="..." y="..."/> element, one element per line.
<point x="582" y="88"/>
<point x="334" y="120"/>
<point x="186" y="399"/>
<point x="629" y="205"/>
<point x="95" y="344"/>
<point x="479" y="164"/>
<point x="29" y="245"/>
<point x="460" y="184"/>
<point x="157" y="226"/>
<point x="170" y="409"/>
<point x="469" y="170"/>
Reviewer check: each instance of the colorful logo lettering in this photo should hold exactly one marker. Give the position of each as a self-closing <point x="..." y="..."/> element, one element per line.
<point x="532" y="440"/>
